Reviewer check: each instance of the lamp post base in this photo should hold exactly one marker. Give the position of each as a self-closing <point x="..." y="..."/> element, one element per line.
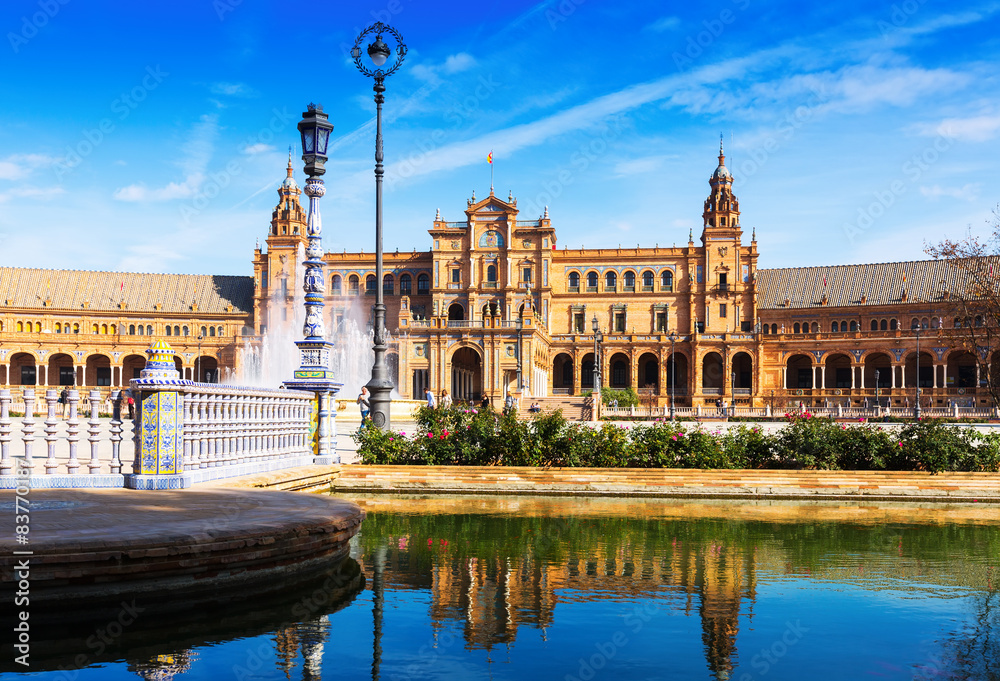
<point x="315" y="376"/>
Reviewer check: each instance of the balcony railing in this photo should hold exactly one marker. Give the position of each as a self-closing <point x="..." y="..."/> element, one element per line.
<point x="591" y="289"/>
<point x="454" y="285"/>
<point x="490" y="284"/>
<point x="647" y="289"/>
<point x="573" y="289"/>
<point x="628" y="289"/>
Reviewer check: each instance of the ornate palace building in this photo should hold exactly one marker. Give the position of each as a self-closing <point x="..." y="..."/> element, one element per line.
<point x="495" y="306"/>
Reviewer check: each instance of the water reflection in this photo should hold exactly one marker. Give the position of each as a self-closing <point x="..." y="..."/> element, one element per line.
<point x="493" y="567"/>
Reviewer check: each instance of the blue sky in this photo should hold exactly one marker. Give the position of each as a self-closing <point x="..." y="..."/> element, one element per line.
<point x="152" y="136"/>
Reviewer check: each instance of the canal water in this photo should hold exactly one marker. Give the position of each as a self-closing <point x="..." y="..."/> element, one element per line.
<point x="521" y="588"/>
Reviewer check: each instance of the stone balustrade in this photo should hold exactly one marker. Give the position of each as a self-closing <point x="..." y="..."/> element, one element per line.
<point x="218" y="431"/>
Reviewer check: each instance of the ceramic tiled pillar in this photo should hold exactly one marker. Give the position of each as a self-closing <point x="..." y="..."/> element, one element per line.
<point x="159" y="463"/>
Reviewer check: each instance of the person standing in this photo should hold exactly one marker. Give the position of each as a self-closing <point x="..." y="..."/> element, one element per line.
<point x="365" y="405"/>
<point x="508" y="403"/>
<point x="64" y="401"/>
<point x="431" y="401"/>
<point x="445" y="399"/>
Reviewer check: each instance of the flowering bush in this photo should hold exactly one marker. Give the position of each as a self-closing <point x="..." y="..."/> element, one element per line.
<point x="483" y="437"/>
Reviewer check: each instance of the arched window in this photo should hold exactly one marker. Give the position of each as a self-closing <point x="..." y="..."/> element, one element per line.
<point x="204" y="332"/>
<point x="76" y="328"/>
<point x="177" y="330"/>
<point x="835" y="327"/>
<point x="979" y="320"/>
<point x="38" y="327"/>
<point x="667" y="280"/>
<point x="874" y="325"/>
<point x="574" y="280"/>
<point x="610" y="281"/>
<point x="114" y="330"/>
<point x="893" y="325"/>
<point x="767" y="329"/>
<point x="423" y="284"/>
<point x="405" y="285"/>
<point x="95" y="329"/>
<point x="187" y="332"/>
<point x="104" y="329"/>
<point x="647" y="280"/>
<point x="141" y="329"/>
<point x="630" y="281"/>
<point x="915" y="323"/>
<point x="388" y="285"/>
<point x="58" y="327"/>
<point x="352" y="284"/>
<point x="335" y="283"/>
<point x="884" y="325"/>
<point x="797" y="328"/>
<point x="370" y="285"/>
<point x="20" y="327"/>
<point x="592" y="280"/>
<point x="815" y="327"/>
<point x="956" y="324"/>
<point x="854" y="325"/>
<point x="211" y="331"/>
<point x="221" y="331"/>
<point x="149" y="330"/>
<point x="169" y="330"/>
<point x="491" y="274"/>
<point x="131" y="329"/>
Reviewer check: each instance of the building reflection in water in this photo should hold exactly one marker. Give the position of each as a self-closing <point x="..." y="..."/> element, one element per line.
<point x="492" y="597"/>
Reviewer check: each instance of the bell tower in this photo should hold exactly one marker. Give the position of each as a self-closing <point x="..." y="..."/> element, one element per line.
<point x="722" y="209"/>
<point x="275" y="278"/>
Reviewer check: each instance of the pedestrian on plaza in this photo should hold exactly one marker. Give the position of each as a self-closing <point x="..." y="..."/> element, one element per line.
<point x="508" y="403"/>
<point x="116" y="406"/>
<point x="365" y="405"/>
<point x="64" y="401"/>
<point x="131" y="404"/>
<point x="431" y="400"/>
<point x="445" y="399"/>
<point x="485" y="404"/>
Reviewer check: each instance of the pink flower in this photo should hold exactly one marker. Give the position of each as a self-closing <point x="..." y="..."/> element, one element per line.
<point x="446" y="433"/>
<point x="475" y="411"/>
<point x="430" y="435"/>
<point x="402" y="434"/>
<point x="900" y="444"/>
<point x="674" y="438"/>
<point x="442" y="437"/>
<point x="391" y="440"/>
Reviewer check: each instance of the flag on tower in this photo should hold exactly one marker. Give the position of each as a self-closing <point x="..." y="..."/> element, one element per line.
<point x="489" y="157"/>
<point x="824" y="281"/>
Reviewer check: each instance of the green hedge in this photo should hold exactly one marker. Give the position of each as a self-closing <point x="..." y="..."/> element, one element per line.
<point x="483" y="437"/>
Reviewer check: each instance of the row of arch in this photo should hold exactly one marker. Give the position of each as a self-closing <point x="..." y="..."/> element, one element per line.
<point x="628" y="277"/>
<point x="388" y="284"/>
<point x="94" y="370"/>
<point x="885" y="324"/>
<point x="112" y="329"/>
<point x="877" y="369"/>
<point x="617" y="373"/>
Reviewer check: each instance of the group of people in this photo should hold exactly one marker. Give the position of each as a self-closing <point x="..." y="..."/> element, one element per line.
<point x="114" y="403"/>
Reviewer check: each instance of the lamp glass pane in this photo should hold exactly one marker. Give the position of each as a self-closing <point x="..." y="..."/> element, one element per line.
<point x="322" y="138"/>
<point x="307" y="141"/>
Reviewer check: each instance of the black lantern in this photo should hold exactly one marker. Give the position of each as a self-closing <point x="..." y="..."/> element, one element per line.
<point x="315" y="129"/>
<point x="595" y="325"/>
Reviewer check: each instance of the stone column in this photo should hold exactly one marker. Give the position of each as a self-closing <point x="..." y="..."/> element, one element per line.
<point x="822" y="377"/>
<point x="935" y="368"/>
<point x="892" y="371"/>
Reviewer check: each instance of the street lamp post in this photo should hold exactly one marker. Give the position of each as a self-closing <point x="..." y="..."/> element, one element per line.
<point x="878" y="404"/>
<point x="673" y="375"/>
<point x="197" y="360"/>
<point x="596" y="326"/>
<point x="917" y="328"/>
<point x="380" y="386"/>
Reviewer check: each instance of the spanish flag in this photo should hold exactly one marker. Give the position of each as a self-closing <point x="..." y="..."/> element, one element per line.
<point x="489" y="157"/>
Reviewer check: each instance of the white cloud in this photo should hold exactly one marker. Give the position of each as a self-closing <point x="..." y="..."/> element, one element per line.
<point x="259" y="148"/>
<point x="233" y="90"/>
<point x="463" y="61"/>
<point x="197" y="154"/>
<point x="30" y="192"/>
<point x="456" y="63"/>
<point x="974" y="129"/>
<point x="968" y="192"/>
<point x="664" y="24"/>
<point x="18" y="166"/>
<point x="638" y="166"/>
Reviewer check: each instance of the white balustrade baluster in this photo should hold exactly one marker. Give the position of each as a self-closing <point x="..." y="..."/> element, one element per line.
<point x="95" y="432"/>
<point x="202" y="429"/>
<point x="232" y="425"/>
<point x="28" y="431"/>
<point x="186" y="425"/>
<point x="51" y="427"/>
<point x="6" y="462"/>
<point x="216" y="419"/>
<point x="73" y="431"/>
<point x="116" y="444"/>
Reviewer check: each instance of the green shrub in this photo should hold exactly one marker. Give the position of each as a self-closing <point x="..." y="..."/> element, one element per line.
<point x="626" y="398"/>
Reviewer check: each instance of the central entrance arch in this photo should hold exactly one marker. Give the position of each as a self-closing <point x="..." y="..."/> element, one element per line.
<point x="466" y="375"/>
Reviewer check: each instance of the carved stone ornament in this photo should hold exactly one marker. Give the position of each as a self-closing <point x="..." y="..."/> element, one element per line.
<point x="723" y="250"/>
<point x="526" y="243"/>
<point x="455" y="245"/>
